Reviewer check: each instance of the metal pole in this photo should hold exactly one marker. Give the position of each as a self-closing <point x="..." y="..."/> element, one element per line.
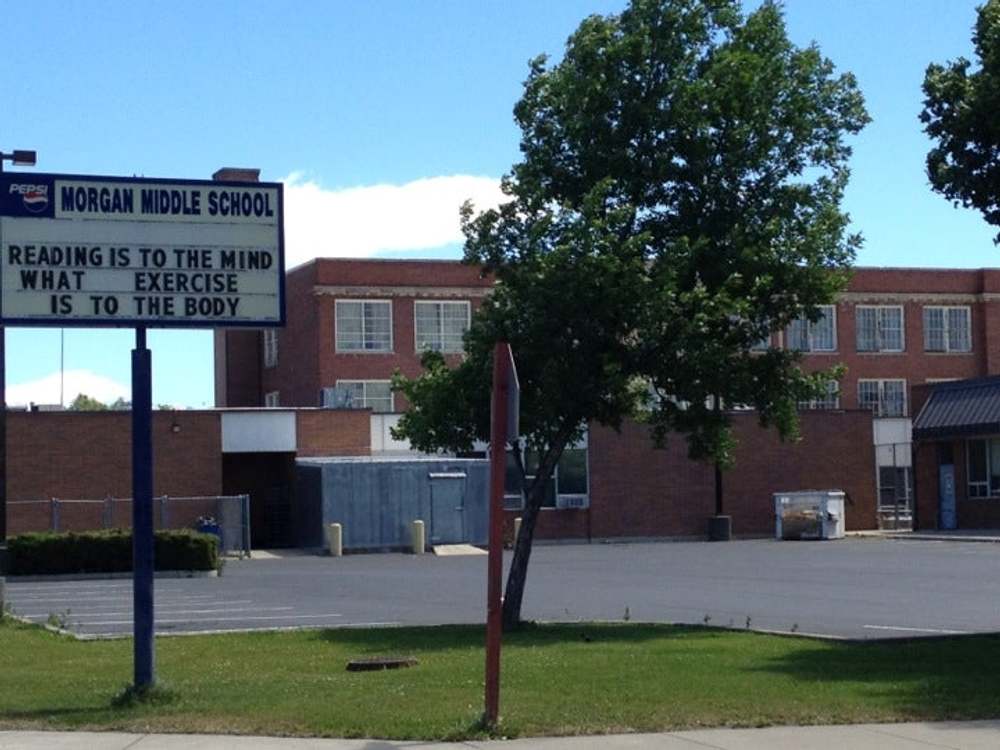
<point x="62" y="367"/>
<point x="718" y="467"/>
<point x="3" y="448"/>
<point x="498" y="459"/>
<point x="142" y="512"/>
<point x="3" y="433"/>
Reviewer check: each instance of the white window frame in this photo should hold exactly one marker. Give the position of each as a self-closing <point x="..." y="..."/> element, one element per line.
<point x="969" y="484"/>
<point x="946" y="332"/>
<point x="270" y="347"/>
<point x="272" y="399"/>
<point x="468" y="322"/>
<point x="829" y="311"/>
<point x="362" y="350"/>
<point x="516" y="501"/>
<point x="824" y="404"/>
<point x="343" y="383"/>
<point x="879" y="327"/>
<point x="880" y="406"/>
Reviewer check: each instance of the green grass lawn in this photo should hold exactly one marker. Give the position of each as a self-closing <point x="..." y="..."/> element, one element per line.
<point x="560" y="679"/>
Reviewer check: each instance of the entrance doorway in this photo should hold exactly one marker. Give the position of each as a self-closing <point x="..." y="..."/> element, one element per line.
<point x="268" y="478"/>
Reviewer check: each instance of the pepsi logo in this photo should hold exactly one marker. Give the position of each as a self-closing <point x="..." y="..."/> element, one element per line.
<point x="34" y="197"/>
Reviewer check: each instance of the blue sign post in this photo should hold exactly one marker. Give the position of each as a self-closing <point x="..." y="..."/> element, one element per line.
<point x="84" y="250"/>
<point x="142" y="512"/>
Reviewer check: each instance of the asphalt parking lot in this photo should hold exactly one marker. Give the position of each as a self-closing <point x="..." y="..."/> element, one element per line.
<point x="854" y="588"/>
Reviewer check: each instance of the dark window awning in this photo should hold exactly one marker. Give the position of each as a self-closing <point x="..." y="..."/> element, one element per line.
<point x="961" y="409"/>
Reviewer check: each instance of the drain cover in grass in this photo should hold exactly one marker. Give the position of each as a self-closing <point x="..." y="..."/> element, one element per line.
<point x="376" y="663"/>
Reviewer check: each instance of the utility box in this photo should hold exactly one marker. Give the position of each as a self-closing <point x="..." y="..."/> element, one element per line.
<point x="810" y="514"/>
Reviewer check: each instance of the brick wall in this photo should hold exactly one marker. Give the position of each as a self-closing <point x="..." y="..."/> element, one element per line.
<point x="77" y="456"/>
<point x="913" y="289"/>
<point x="240" y="351"/>
<point x="637" y="490"/>
<point x="308" y="361"/>
<point x="972" y="513"/>
<point x="296" y="375"/>
<point x="333" y="432"/>
<point x="307" y="357"/>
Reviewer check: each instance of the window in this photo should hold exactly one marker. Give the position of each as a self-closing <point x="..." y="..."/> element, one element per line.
<point x="879" y="329"/>
<point x="271" y="399"/>
<point x="947" y="329"/>
<point x="887" y="398"/>
<point x="441" y="325"/>
<point x="369" y="394"/>
<point x="983" y="458"/>
<point x="568" y="487"/>
<point x="818" y="336"/>
<point x="895" y="486"/>
<point x="364" y="326"/>
<point x="270" y="347"/>
<point x="830" y="401"/>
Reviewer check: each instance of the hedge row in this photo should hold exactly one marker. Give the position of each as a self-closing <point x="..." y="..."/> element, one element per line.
<point x="53" y="553"/>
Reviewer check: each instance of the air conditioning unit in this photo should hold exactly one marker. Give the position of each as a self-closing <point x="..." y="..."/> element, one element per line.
<point x="513" y="502"/>
<point x="336" y="398"/>
<point x="574" y="502"/>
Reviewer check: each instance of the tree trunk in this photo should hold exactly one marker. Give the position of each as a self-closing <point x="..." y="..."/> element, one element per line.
<point x="518" y="574"/>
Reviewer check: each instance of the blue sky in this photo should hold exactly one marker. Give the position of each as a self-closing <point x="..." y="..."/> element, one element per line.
<point x="382" y="116"/>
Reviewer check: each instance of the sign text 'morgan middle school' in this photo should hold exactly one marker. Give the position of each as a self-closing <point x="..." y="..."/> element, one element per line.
<point x="99" y="252"/>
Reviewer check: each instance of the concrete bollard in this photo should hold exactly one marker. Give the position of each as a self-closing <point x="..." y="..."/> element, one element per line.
<point x="335" y="539"/>
<point x="517" y="530"/>
<point x="417" y="537"/>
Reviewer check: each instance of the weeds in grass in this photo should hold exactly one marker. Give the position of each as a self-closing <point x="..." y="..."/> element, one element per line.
<point x="131" y="696"/>
<point x="59" y="620"/>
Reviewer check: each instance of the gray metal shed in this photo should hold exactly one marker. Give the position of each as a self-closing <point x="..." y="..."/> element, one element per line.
<point x="376" y="500"/>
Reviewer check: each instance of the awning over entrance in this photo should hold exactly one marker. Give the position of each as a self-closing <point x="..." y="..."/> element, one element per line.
<point x="960" y="409"/>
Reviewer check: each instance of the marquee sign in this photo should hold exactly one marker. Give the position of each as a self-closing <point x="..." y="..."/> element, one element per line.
<point x="112" y="251"/>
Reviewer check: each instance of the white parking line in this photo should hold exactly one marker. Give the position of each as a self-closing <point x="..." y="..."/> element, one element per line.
<point x="159" y="605"/>
<point x="117" y="597"/>
<point x="81" y="616"/>
<point x="917" y="630"/>
<point x="185" y="620"/>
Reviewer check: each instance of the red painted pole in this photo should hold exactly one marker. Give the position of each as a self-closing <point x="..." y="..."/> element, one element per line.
<point x="498" y="459"/>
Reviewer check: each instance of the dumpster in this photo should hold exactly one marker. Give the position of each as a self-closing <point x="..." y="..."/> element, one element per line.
<point x="809" y="514"/>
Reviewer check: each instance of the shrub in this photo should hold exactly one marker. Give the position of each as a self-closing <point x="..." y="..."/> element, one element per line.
<point x="106" y="552"/>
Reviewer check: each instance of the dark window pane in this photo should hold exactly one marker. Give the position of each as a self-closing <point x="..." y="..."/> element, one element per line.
<point x="573" y="472"/>
<point x="513" y="483"/>
<point x="977" y="460"/>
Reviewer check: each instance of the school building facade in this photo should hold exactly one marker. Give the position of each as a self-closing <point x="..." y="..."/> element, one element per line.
<point x="351" y="323"/>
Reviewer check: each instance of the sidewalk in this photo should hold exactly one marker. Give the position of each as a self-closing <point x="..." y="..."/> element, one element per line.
<point x="966" y="735"/>
<point x="954" y="535"/>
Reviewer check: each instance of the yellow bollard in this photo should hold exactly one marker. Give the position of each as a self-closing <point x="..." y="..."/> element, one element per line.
<point x="417" y="537"/>
<point x="517" y="530"/>
<point x="335" y="539"/>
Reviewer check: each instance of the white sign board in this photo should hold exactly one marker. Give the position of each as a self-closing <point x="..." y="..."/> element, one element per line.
<point x="103" y="251"/>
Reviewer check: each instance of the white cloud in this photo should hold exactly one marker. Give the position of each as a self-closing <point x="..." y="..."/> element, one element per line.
<point x="46" y="390"/>
<point x="360" y="221"/>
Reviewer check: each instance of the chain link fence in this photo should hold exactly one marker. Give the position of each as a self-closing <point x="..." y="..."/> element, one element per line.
<point x="230" y="514"/>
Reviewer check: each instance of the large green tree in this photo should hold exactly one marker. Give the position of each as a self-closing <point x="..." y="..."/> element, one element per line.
<point x="678" y="199"/>
<point x="960" y="116"/>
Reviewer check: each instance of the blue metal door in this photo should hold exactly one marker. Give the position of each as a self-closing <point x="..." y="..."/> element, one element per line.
<point x="946" y="493"/>
<point x="447" y="507"/>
